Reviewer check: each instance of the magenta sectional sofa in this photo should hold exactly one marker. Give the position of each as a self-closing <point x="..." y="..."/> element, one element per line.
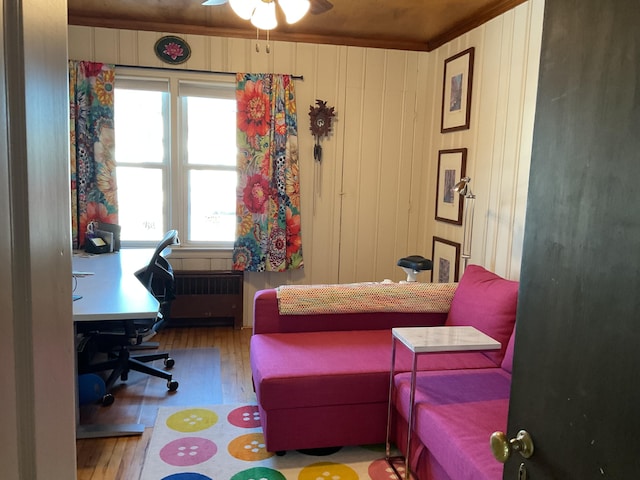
<point x="322" y="380"/>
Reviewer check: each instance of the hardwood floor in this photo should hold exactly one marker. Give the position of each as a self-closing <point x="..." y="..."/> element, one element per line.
<point x="121" y="458"/>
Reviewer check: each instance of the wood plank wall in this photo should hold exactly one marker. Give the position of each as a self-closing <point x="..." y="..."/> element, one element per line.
<point x="372" y="200"/>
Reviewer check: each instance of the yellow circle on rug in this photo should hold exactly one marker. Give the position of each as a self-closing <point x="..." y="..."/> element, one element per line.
<point x="249" y="447"/>
<point x="192" y="420"/>
<point x="328" y="471"/>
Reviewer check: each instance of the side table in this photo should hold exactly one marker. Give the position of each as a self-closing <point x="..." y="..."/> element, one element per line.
<point x="421" y="340"/>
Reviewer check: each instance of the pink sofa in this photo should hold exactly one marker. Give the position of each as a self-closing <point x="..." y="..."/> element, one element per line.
<point x="322" y="380"/>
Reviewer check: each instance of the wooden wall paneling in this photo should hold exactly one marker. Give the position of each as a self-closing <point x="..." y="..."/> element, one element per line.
<point x="427" y="136"/>
<point x="127" y="47"/>
<point x="392" y="212"/>
<point x="353" y="139"/>
<point x="415" y="119"/>
<point x="239" y="55"/>
<point x="488" y="213"/>
<point x="533" y="46"/>
<point x="322" y="200"/>
<point x="502" y="255"/>
<point x="368" y="219"/>
<point x="80" y="43"/>
<point x="145" y="48"/>
<point x="218" y="54"/>
<point x="405" y="164"/>
<point x="105" y="41"/>
<point x="200" y="56"/>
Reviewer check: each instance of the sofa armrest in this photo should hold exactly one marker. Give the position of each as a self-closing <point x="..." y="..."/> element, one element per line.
<point x="267" y="318"/>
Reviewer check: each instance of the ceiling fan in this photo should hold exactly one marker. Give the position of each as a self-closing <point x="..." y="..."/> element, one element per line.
<point x="317" y="6"/>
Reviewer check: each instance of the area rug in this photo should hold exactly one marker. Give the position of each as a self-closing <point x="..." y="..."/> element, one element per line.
<point x="225" y="442"/>
<point x="137" y="400"/>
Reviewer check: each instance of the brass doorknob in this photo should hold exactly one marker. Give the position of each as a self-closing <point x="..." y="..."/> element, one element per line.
<point x="502" y="447"/>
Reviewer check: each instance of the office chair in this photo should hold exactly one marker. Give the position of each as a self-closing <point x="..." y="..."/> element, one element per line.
<point x="118" y="339"/>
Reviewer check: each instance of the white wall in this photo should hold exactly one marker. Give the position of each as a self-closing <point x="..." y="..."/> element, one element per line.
<point x="372" y="200"/>
<point x="36" y="328"/>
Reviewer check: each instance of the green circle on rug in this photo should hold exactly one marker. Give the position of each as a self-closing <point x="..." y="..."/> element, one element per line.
<point x="259" y="473"/>
<point x="328" y="470"/>
<point x="192" y="420"/>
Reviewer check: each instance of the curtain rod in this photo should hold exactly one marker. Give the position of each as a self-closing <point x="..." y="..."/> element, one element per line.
<point x="295" y="77"/>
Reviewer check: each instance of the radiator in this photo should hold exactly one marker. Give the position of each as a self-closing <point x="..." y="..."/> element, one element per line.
<point x="207" y="298"/>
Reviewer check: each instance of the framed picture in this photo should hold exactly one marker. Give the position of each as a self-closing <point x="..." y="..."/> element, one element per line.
<point x="445" y="256"/>
<point x="172" y="50"/>
<point x="452" y="165"/>
<point x="456" y="91"/>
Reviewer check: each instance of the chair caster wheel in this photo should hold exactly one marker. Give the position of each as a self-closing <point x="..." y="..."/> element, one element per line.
<point x="169" y="362"/>
<point x="281" y="453"/>
<point x="107" y="399"/>
<point x="172" y="385"/>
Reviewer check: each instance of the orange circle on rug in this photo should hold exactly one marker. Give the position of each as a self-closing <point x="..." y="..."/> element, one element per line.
<point x="192" y="420"/>
<point x="250" y="447"/>
<point x="328" y="471"/>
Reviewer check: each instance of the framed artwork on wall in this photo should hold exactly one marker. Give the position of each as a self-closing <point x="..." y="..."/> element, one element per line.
<point x="445" y="256"/>
<point x="452" y="165"/>
<point x="456" y="91"/>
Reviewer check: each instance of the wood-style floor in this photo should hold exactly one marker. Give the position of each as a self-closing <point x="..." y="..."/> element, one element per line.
<point x="121" y="458"/>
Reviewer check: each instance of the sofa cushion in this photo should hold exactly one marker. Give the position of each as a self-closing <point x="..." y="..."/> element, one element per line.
<point x="292" y="370"/>
<point x="507" y="361"/>
<point x="455" y="414"/>
<point x="488" y="302"/>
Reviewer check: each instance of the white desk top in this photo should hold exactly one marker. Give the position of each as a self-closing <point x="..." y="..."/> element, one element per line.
<point x="444" y="339"/>
<point x="112" y="292"/>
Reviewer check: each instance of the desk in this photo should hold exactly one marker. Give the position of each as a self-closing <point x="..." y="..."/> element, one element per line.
<point x="111" y="292"/>
<point x="420" y="340"/>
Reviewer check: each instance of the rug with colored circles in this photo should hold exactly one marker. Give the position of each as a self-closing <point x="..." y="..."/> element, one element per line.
<point x="225" y="442"/>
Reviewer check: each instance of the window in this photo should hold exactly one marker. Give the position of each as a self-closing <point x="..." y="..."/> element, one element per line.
<point x="176" y="159"/>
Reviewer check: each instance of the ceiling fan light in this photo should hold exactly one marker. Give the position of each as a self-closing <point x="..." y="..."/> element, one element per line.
<point x="294" y="10"/>
<point x="264" y="15"/>
<point x="244" y="8"/>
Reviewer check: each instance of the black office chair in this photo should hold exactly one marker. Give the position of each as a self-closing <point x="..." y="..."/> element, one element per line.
<point x="117" y="339"/>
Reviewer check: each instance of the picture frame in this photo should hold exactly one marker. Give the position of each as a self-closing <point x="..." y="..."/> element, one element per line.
<point x="452" y="166"/>
<point x="456" y="91"/>
<point x="172" y="50"/>
<point x="445" y="256"/>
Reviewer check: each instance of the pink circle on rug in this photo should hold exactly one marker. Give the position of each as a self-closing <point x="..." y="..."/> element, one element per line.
<point x="246" y="416"/>
<point x="381" y="470"/>
<point x="188" y="451"/>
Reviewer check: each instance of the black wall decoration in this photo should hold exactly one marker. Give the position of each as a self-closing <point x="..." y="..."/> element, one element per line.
<point x="320" y="126"/>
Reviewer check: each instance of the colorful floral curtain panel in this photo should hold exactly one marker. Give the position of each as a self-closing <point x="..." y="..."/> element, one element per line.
<point x="268" y="234"/>
<point x="93" y="170"/>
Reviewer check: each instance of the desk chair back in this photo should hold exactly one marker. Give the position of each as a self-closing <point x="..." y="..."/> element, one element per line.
<point x="157" y="276"/>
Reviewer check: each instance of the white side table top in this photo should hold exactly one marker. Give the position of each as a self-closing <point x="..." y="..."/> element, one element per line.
<point x="444" y="339"/>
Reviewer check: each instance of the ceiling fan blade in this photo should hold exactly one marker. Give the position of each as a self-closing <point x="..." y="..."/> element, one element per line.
<point x="214" y="2"/>
<point x="320" y="6"/>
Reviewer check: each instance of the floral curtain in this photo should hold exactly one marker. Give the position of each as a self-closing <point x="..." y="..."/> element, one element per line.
<point x="93" y="170"/>
<point x="268" y="234"/>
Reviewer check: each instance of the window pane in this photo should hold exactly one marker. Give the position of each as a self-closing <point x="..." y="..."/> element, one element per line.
<point x="211" y="131"/>
<point x="140" y="203"/>
<point x="212" y="205"/>
<point x="139" y="126"/>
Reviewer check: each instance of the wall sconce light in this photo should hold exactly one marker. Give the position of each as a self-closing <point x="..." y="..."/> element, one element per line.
<point x="463" y="188"/>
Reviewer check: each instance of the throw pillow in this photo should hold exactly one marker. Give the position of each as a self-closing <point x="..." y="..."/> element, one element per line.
<point x="487" y="302"/>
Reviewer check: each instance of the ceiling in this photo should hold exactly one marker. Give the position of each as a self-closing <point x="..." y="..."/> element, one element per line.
<point x="421" y="25"/>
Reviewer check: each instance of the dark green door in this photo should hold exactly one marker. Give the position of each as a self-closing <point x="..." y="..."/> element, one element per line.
<point x="576" y="384"/>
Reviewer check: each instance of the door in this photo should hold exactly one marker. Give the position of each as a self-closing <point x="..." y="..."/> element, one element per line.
<point x="576" y="382"/>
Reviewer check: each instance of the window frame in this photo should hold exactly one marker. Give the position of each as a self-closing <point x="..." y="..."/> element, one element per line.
<point x="175" y="166"/>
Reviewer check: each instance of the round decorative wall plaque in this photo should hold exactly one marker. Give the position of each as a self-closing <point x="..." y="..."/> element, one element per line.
<point x="172" y="50"/>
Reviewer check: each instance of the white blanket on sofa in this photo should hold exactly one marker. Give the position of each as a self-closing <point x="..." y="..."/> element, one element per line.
<point x="365" y="297"/>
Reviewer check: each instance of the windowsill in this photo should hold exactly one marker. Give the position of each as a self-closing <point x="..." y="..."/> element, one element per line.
<point x="199" y="252"/>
